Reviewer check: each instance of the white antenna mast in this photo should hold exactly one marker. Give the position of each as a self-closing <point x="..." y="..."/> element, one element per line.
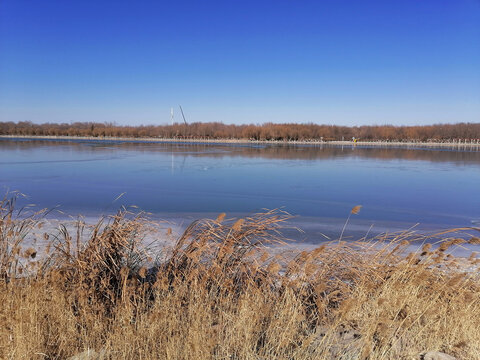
<point x="171" y="115"/>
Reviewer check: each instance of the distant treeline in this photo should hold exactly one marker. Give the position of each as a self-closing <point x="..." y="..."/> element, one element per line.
<point x="268" y="131"/>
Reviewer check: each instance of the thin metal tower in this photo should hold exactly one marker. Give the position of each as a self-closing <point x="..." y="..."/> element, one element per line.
<point x="181" y="110"/>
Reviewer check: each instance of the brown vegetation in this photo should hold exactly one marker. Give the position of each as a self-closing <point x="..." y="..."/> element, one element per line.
<point x="268" y="131"/>
<point x="222" y="293"/>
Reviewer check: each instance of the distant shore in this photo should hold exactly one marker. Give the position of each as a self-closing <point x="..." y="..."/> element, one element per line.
<point x="453" y="144"/>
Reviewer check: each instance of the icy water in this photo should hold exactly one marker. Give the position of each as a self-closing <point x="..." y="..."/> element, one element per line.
<point x="397" y="187"/>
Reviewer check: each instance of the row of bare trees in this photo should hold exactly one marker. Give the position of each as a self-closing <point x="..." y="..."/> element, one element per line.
<point x="269" y="131"/>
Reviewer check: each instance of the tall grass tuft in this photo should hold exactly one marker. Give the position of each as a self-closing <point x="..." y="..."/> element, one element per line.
<point x="233" y="289"/>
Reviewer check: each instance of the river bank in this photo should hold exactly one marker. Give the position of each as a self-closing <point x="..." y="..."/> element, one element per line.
<point x="454" y="144"/>
<point x="220" y="291"/>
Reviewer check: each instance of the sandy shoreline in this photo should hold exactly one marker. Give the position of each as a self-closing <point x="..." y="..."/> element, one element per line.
<point x="469" y="145"/>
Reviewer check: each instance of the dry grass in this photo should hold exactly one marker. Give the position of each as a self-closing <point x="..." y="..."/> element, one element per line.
<point x="222" y="293"/>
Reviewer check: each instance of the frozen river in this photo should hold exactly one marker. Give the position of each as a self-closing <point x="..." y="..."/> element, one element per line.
<point x="397" y="187"/>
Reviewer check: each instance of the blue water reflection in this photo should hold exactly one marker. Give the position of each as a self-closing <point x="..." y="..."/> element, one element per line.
<point x="430" y="186"/>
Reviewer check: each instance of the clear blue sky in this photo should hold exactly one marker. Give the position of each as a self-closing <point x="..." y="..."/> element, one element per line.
<point x="334" y="62"/>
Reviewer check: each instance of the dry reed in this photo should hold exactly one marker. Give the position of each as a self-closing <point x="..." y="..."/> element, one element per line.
<point x="225" y="292"/>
